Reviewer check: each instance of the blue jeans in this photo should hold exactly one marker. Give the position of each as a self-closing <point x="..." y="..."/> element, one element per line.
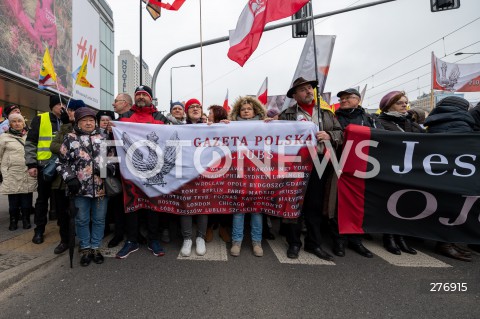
<point x="255" y="225"/>
<point x="98" y="208"/>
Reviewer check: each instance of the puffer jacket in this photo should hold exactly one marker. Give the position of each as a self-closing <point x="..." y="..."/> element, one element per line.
<point x="449" y="119"/>
<point x="12" y="164"/>
<point x="147" y="114"/>
<point x="80" y="158"/>
<point x="57" y="142"/>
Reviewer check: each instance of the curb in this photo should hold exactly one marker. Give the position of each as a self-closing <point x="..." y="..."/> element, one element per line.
<point x="15" y="274"/>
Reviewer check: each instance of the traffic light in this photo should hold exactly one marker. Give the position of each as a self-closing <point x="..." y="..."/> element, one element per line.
<point x="300" y="30"/>
<point x="442" y="5"/>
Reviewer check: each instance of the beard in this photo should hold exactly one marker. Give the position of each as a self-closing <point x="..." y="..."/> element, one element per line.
<point x="143" y="103"/>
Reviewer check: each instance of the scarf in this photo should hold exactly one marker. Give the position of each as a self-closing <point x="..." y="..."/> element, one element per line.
<point x="397" y="114"/>
<point x="18" y="133"/>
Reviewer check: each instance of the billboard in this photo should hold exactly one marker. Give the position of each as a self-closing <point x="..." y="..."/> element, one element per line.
<point x="86" y="41"/>
<point x="28" y="26"/>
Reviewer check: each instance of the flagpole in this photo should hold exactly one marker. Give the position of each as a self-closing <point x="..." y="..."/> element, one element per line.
<point x="56" y="83"/>
<point x="201" y="52"/>
<point x="431" y="89"/>
<point x="141" y="58"/>
<point x="320" y="124"/>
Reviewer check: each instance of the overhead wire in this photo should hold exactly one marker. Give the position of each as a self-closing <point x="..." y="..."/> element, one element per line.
<point x="428" y="85"/>
<point x="411" y="54"/>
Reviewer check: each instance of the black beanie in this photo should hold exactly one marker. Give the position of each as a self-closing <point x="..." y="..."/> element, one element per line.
<point x="54" y="100"/>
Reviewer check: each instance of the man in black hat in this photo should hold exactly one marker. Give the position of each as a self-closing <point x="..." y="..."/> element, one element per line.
<point x="43" y="129"/>
<point x="329" y="130"/>
<point x="350" y="112"/>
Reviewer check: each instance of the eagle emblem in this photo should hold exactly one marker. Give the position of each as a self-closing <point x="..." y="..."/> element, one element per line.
<point x="145" y="163"/>
<point x="257" y="6"/>
<point x="449" y="83"/>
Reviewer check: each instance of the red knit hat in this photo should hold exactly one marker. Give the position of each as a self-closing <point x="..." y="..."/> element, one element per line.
<point x="191" y="102"/>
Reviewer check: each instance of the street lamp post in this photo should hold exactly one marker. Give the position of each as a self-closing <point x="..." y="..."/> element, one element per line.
<point x="460" y="53"/>
<point x="171" y="82"/>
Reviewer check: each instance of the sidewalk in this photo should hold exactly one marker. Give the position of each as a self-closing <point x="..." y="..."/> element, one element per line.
<point x="18" y="255"/>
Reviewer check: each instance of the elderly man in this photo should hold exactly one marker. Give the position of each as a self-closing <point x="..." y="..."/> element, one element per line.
<point x="122" y="104"/>
<point x="350" y="112"/>
<point x="143" y="111"/>
<point x="329" y="130"/>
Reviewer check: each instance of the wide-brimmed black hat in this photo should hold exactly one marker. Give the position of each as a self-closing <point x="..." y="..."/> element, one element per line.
<point x="298" y="82"/>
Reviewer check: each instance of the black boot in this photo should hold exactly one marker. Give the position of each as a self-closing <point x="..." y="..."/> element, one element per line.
<point x="403" y="245"/>
<point x="390" y="245"/>
<point x="26" y="218"/>
<point x="13" y="219"/>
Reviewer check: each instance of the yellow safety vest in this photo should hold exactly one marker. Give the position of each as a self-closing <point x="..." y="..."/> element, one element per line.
<point x="45" y="137"/>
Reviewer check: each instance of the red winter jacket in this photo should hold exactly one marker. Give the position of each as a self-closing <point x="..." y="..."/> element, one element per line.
<point x="142" y="115"/>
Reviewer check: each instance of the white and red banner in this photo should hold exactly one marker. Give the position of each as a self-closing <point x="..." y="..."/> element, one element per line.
<point x="256" y="14"/>
<point x="262" y="94"/>
<point x="306" y="64"/>
<point x="241" y="167"/>
<point x="455" y="77"/>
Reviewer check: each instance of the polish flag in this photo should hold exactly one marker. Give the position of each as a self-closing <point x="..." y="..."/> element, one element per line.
<point x="263" y="92"/>
<point x="225" y="103"/>
<point x="174" y="6"/>
<point x="256" y="14"/>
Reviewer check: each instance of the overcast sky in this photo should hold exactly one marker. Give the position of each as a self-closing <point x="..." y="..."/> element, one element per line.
<point x="368" y="41"/>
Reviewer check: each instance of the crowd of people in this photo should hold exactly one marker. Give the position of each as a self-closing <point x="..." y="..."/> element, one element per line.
<point x="68" y="138"/>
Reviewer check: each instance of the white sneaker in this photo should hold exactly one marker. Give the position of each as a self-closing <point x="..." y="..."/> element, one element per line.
<point x="186" y="248"/>
<point x="200" y="248"/>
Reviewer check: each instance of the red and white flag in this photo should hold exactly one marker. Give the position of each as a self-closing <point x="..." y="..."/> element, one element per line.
<point x="256" y="14"/>
<point x="225" y="103"/>
<point x="174" y="6"/>
<point x="262" y="94"/>
<point x="455" y="77"/>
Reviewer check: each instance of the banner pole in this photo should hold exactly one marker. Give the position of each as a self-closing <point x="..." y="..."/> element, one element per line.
<point x="320" y="124"/>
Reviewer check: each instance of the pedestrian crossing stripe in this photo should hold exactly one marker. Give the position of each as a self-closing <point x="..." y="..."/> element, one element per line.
<point x="217" y="251"/>
<point x="405" y="260"/>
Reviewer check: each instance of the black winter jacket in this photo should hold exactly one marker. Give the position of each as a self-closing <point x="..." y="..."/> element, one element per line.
<point x="475" y="113"/>
<point x="356" y="116"/>
<point x="405" y="124"/>
<point x="449" y="119"/>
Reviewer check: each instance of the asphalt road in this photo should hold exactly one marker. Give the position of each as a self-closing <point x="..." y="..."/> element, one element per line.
<point x="144" y="286"/>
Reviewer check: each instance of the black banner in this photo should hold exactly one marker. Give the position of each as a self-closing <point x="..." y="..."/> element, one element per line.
<point x="422" y="185"/>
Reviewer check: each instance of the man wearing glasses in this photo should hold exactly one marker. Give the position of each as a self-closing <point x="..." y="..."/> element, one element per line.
<point x="122" y="104"/>
<point x="350" y="112"/>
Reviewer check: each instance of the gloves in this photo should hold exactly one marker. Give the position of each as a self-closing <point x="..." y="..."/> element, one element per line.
<point x="74" y="186"/>
<point x="64" y="117"/>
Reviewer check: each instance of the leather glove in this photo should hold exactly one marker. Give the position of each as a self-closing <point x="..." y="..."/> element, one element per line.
<point x="74" y="186"/>
<point x="64" y="117"/>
